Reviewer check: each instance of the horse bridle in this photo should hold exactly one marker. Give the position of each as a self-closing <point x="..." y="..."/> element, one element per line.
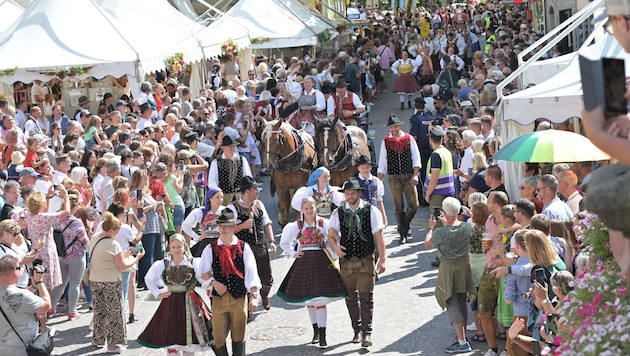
<point x="279" y="163"/>
<point x="340" y="143"/>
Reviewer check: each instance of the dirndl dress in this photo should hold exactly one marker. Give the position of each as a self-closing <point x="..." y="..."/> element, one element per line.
<point x="183" y="320"/>
<point x="314" y="278"/>
<point x="406" y="82"/>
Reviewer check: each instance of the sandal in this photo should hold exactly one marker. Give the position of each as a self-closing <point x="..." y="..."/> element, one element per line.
<point x="501" y="335"/>
<point x="478" y="338"/>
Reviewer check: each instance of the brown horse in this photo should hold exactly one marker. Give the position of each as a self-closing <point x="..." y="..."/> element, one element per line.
<point x="291" y="156"/>
<point x="338" y="146"/>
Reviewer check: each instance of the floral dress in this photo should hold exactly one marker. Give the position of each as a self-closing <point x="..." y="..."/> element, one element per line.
<point x="40" y="227"/>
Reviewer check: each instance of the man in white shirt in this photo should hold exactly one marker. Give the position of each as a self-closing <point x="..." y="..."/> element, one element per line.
<point x="38" y="92"/>
<point x="468" y="136"/>
<point x="219" y="173"/>
<point x="34" y="124"/>
<point x="567" y="186"/>
<point x="145" y="116"/>
<point x="63" y="167"/>
<point x="106" y="193"/>
<point x="20" y="114"/>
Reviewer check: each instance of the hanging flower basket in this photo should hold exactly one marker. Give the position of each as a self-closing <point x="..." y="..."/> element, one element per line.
<point x="175" y="63"/>
<point x="67" y="72"/>
<point x="259" y="40"/>
<point x="323" y="37"/>
<point x="229" y="47"/>
<point x="9" y="71"/>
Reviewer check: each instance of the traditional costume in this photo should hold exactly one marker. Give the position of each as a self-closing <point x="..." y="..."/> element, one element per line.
<point x="326" y="200"/>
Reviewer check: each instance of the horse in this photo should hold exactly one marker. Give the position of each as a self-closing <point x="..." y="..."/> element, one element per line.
<point x="290" y="156"/>
<point x="338" y="146"/>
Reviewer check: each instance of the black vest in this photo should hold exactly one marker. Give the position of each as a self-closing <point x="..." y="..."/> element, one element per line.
<point x="350" y="238"/>
<point x="230" y="172"/>
<point x="398" y="155"/>
<point x="254" y="237"/>
<point x="235" y="285"/>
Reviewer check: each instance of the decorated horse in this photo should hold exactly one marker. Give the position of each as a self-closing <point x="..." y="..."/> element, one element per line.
<point x="305" y="117"/>
<point x="291" y="157"/>
<point x="338" y="147"/>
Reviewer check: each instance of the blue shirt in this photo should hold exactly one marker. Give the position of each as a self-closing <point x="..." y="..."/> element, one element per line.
<point x="517" y="284"/>
<point x="557" y="209"/>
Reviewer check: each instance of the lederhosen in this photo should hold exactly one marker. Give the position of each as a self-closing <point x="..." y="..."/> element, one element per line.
<point x="255" y="239"/>
<point x="230" y="172"/>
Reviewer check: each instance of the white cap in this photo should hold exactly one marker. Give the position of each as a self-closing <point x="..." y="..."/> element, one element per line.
<point x="613" y="7"/>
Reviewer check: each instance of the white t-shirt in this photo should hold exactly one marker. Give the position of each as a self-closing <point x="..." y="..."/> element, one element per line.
<point x="20" y="305"/>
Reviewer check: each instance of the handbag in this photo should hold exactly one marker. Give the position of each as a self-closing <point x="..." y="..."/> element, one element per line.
<point x="86" y="273"/>
<point x="42" y="345"/>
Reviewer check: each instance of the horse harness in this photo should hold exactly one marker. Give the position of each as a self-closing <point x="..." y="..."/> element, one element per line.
<point x="281" y="164"/>
<point x="346" y="143"/>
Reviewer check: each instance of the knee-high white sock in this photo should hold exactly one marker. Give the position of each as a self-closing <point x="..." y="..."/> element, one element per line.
<point x="322" y="316"/>
<point x="312" y="314"/>
<point x="402" y="98"/>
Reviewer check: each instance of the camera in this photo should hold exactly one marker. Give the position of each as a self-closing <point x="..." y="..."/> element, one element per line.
<point x="135" y="250"/>
<point x="438" y="121"/>
<point x="39" y="266"/>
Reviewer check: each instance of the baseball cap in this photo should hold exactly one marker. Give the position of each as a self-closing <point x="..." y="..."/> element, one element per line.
<point x="28" y="172"/>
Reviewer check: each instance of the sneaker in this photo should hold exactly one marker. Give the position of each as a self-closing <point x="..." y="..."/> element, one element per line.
<point x="74" y="316"/>
<point x="490" y="352"/>
<point x="471" y="327"/>
<point x="53" y="313"/>
<point x="456" y="348"/>
<point x="503" y="353"/>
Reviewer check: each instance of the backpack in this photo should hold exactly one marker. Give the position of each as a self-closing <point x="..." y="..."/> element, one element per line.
<point x="62" y="249"/>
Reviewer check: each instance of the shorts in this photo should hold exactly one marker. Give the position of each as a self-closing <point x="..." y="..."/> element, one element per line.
<point x="178" y="215"/>
<point x="488" y="292"/>
<point x="456" y="308"/>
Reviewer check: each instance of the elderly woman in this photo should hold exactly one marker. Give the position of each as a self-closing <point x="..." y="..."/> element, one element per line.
<point x="327" y="197"/>
<point x="312" y="280"/>
<point x="9" y="236"/>
<point x="528" y="191"/>
<point x="206" y="217"/>
<point x="106" y="263"/>
<point x="455" y="282"/>
<point x="477" y="180"/>
<point x="75" y="243"/>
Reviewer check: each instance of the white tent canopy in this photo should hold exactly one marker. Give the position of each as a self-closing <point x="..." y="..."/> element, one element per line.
<point x="10" y="11"/>
<point x="540" y="71"/>
<point x="280" y="23"/>
<point x="220" y="31"/>
<point x="50" y="38"/>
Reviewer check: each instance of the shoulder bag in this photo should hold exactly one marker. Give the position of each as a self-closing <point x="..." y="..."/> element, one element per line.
<point x="42" y="345"/>
<point x="86" y="273"/>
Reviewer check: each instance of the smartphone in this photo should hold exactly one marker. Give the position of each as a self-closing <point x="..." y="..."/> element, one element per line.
<point x="140" y="213"/>
<point x="181" y="164"/>
<point x="135" y="250"/>
<point x="615" y="87"/>
<point x="139" y="195"/>
<point x="56" y="187"/>
<point x="437" y="211"/>
<point x="539" y="275"/>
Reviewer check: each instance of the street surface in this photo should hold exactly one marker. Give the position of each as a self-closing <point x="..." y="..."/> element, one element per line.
<point x="407" y="319"/>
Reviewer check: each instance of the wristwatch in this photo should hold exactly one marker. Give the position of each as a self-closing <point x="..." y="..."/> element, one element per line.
<point x="509" y="269"/>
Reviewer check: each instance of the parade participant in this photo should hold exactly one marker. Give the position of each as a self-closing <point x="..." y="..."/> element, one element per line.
<point x="400" y="159"/>
<point x="206" y="217"/>
<point x="347" y="104"/>
<point x="419" y="123"/>
<point x="182" y="322"/>
<point x="253" y="227"/>
<point x="455" y="280"/>
<point x="229" y="267"/>
<point x="313" y="279"/>
<point x="439" y="182"/>
<point x="406" y="83"/>
<point x="373" y="187"/>
<point x="226" y="172"/>
<point x="327" y="197"/>
<point x="356" y="231"/>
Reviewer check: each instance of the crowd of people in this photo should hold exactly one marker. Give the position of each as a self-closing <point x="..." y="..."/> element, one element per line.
<point x="169" y="181"/>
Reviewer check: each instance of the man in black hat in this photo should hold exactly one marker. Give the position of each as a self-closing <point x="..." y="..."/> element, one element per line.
<point x="420" y="122"/>
<point x="347" y="104"/>
<point x="373" y="187"/>
<point x="440" y="180"/>
<point x="400" y="159"/>
<point x="83" y="104"/>
<point x="255" y="226"/>
<point x="226" y="172"/>
<point x="355" y="233"/>
<point x="229" y="267"/>
<point x="441" y="108"/>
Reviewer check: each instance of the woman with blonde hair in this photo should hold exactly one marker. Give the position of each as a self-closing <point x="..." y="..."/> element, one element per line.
<point x="107" y="262"/>
<point x="79" y="176"/>
<point x="477" y="180"/>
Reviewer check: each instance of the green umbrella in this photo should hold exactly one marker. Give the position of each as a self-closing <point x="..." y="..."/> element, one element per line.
<point x="550" y="146"/>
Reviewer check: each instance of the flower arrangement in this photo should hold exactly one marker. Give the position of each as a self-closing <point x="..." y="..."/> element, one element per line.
<point x="67" y="72"/>
<point x="323" y="37"/>
<point x="8" y="71"/>
<point x="598" y="310"/>
<point x="229" y="46"/>
<point x="176" y="62"/>
<point x="259" y="40"/>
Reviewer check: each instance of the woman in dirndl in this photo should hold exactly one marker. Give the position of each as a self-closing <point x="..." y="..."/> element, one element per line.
<point x="313" y="279"/>
<point x="182" y="321"/>
<point x="327" y="197"/>
<point x="406" y="83"/>
<point x="206" y="217"/>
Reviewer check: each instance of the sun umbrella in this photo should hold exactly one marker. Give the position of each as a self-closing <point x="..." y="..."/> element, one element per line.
<point x="550" y="146"/>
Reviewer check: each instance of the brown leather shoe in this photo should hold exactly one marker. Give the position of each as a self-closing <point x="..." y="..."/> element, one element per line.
<point x="367" y="340"/>
<point x="266" y="303"/>
<point x="357" y="337"/>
